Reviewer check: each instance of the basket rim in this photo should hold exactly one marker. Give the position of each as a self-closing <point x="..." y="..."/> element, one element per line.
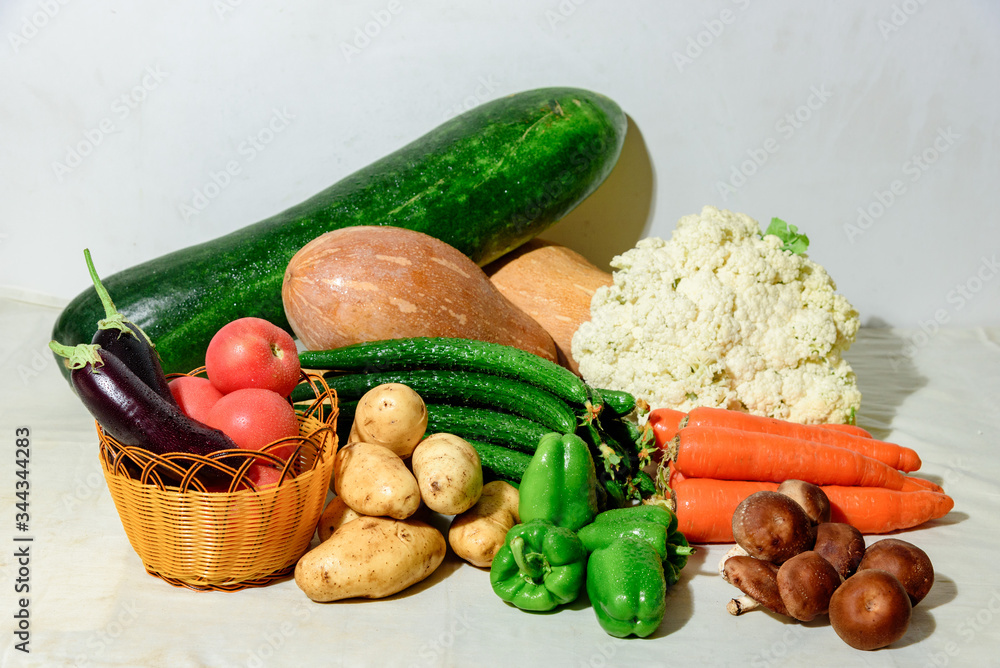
<point x="316" y="424"/>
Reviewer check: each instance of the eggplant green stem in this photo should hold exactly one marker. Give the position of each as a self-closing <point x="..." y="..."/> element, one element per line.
<point x="113" y="319"/>
<point x="80" y="355"/>
<point x="531" y="564"/>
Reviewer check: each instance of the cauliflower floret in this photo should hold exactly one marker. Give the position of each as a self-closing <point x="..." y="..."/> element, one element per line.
<point x="721" y="316"/>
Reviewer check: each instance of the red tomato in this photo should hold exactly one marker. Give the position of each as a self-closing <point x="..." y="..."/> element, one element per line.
<point x="252" y="352"/>
<point x="194" y="395"/>
<point x="253" y="418"/>
<point x="262" y="475"/>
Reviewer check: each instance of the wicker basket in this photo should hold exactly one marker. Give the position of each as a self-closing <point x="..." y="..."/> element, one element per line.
<point x="235" y="536"/>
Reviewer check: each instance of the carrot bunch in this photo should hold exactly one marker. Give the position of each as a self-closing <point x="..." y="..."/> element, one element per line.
<point x="715" y="458"/>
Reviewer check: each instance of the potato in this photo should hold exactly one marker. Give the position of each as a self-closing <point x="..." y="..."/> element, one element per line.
<point x="336" y="514"/>
<point x="448" y="472"/>
<point x="478" y="534"/>
<point x="392" y="415"/>
<point x="373" y="480"/>
<point x="370" y="557"/>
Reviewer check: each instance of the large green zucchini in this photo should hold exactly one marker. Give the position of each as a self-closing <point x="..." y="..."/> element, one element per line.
<point x="484" y="182"/>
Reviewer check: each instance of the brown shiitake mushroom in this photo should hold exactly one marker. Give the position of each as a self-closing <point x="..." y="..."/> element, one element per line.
<point x="772" y="527"/>
<point x="811" y="497"/>
<point x="870" y="610"/>
<point x="758" y="580"/>
<point x="840" y="544"/>
<point x="806" y="582"/>
<point x="911" y="565"/>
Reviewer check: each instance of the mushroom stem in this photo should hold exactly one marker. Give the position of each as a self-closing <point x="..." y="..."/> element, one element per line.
<point x="738" y="606"/>
<point x="735" y="551"/>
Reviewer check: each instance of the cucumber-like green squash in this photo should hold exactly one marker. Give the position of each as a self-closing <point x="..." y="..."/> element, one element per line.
<point x="463" y="389"/>
<point x="485" y="182"/>
<point x="427" y="352"/>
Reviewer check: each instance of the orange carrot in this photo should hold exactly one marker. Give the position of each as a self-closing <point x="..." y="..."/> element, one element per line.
<point x="852" y="429"/>
<point x="912" y="484"/>
<point x="731" y="454"/>
<point x="705" y="507"/>
<point x="875" y="510"/>
<point x="666" y="423"/>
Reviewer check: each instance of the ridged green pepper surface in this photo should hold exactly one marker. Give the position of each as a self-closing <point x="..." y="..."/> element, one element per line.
<point x="627" y="587"/>
<point x="540" y="566"/>
<point x="653" y="523"/>
<point x="560" y="483"/>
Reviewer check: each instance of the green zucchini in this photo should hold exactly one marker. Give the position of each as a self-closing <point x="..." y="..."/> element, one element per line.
<point x="483" y="424"/>
<point x="465" y="388"/>
<point x="485" y="182"/>
<point x="456" y="354"/>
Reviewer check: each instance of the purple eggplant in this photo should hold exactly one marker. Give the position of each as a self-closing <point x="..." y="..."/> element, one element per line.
<point x="132" y="412"/>
<point x="127" y="342"/>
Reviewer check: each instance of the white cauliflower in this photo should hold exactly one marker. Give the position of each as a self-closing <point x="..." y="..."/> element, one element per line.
<point x="719" y="316"/>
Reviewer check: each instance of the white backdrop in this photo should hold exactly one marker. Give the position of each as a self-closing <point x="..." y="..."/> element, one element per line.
<point x="870" y="125"/>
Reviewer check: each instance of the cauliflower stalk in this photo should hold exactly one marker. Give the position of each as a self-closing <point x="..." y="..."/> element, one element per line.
<point x="721" y="315"/>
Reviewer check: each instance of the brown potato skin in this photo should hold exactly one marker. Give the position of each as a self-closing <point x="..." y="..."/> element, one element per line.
<point x="370" y="557"/>
<point x="373" y="480"/>
<point x="448" y="472"/>
<point x="870" y="610"/>
<point x="478" y="534"/>
<point x="391" y="414"/>
<point x="336" y="514"/>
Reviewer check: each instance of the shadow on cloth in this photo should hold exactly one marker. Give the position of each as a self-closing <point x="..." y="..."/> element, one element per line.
<point x="882" y="361"/>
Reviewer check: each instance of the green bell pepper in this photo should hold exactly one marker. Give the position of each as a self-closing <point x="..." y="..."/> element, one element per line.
<point x="560" y="483"/>
<point x="653" y="523"/>
<point x="597" y="535"/>
<point x="539" y="567"/>
<point x="627" y="587"/>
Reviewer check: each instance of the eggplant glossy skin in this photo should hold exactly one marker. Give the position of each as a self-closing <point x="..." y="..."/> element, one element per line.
<point x="138" y="354"/>
<point x="135" y="414"/>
